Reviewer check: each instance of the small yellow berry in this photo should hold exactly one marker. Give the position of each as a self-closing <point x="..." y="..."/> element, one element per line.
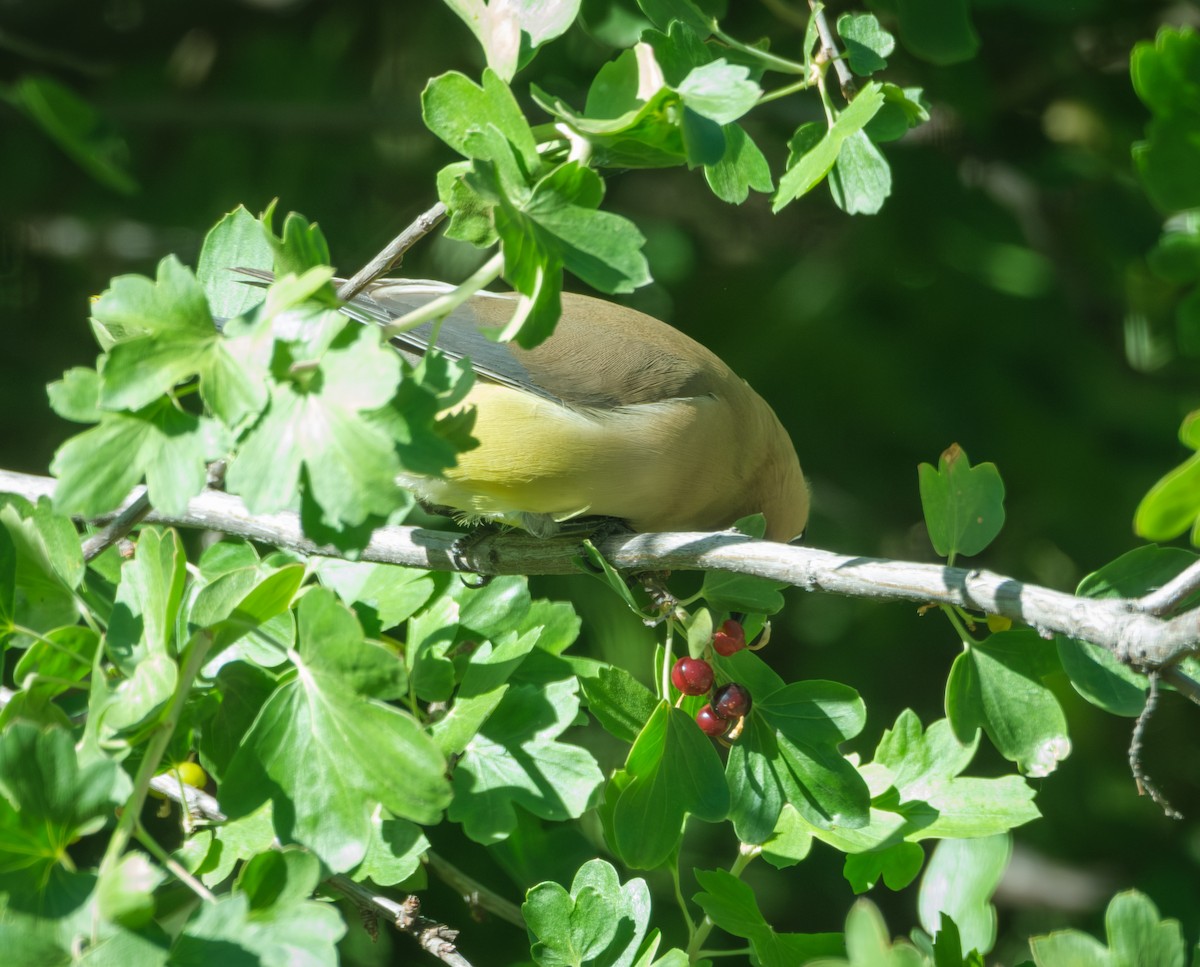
<point x="997" y="622"/>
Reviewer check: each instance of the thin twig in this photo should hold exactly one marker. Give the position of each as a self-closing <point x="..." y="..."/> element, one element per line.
<point x="126" y="521"/>
<point x="474" y="892"/>
<point x="829" y="46"/>
<point x="1144" y="784"/>
<point x="1171" y="595"/>
<point x="391" y="254"/>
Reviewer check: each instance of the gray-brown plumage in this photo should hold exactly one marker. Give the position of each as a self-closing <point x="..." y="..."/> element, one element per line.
<point x="617" y="414"/>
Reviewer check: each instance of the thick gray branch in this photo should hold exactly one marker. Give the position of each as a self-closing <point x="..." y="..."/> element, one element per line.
<point x="1123" y="626"/>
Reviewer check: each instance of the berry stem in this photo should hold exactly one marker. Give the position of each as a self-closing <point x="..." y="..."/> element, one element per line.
<point x="667" y="660"/>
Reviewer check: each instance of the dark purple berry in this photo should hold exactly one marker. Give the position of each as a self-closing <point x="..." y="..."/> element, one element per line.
<point x="710" y="723"/>
<point x="730" y="638"/>
<point x="692" y="676"/>
<point x="731" y="701"/>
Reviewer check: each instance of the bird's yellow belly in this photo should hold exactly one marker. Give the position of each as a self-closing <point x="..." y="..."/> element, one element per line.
<point x="612" y="463"/>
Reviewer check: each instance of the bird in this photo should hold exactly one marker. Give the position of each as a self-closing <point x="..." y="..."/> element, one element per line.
<point x="616" y="415"/>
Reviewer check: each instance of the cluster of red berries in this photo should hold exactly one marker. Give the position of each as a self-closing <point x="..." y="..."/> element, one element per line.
<point x="694" y="676"/>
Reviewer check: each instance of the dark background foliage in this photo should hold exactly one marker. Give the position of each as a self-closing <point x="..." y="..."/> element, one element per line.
<point x="1001" y="300"/>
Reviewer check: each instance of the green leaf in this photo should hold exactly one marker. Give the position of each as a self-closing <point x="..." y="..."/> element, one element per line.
<point x="790" y="842"/>
<point x="903" y="109"/>
<point x="517" y="759"/>
<point x="620" y="703"/>
<point x="635" y="117"/>
<point x="288" y="931"/>
<point x="247" y="611"/>
<point x="483" y="687"/>
<point x="148" y="598"/>
<point x="300" y="250"/>
<point x="77" y="128"/>
<point x="868" y="45"/>
<point x="169" y="337"/>
<point x="1095" y="672"/>
<point x="1165" y="71"/>
<point x="811" y="163"/>
<point x="1176" y="256"/>
<point x="125" y="893"/>
<point x="898" y="865"/>
<point x="265" y="601"/>
<point x="997" y="684"/>
<point x="394" y="594"/>
<point x="393" y="853"/>
<point x="1173" y="503"/>
<point x="938" y="31"/>
<point x="963" y="505"/>
<point x="742" y="167"/>
<point x="315" y="748"/>
<point x="918" y="793"/>
<point x="719" y="91"/>
<point x="598" y="922"/>
<point x="453" y="107"/>
<point x="53" y="664"/>
<point x="1136" y="935"/>
<point x="959" y="882"/>
<point x="40" y="567"/>
<point x="868" y="943"/>
<point x="1164" y="76"/>
<point x="861" y="179"/>
<point x="76" y="397"/>
<point x="239" y="240"/>
<point x="241" y="690"/>
<point x="1166" y="162"/>
<point x="138" y="702"/>
<point x="789" y="752"/>
<point x="662" y="12"/>
<point x="168" y="447"/>
<point x="673" y="770"/>
<point x="48" y="799"/>
<point x="313" y="436"/>
<point x="732" y="906"/>
<point x="924" y="769"/>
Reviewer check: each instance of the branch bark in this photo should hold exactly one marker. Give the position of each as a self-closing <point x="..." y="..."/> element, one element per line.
<point x="1129" y="628"/>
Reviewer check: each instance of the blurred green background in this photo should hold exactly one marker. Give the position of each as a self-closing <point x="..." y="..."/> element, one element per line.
<point x="1000" y="301"/>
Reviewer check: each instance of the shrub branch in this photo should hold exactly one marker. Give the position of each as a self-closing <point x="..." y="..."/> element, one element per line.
<point x="1130" y="628"/>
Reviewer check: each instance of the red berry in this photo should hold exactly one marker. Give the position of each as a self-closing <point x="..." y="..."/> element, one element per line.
<point x="731" y="701"/>
<point x="710" y="723"/>
<point x="730" y="637"/>
<point x="692" y="676"/>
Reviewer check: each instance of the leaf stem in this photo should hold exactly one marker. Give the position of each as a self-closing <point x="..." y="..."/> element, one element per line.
<point x="196" y="651"/>
<point x="683" y="908"/>
<point x="770" y="61"/>
<point x="160" y="854"/>
<point x="444" y="305"/>
<point x="801" y="85"/>
<point x="959" y="626"/>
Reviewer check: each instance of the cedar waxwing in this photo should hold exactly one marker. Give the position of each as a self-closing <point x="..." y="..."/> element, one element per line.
<point x="615" y="415"/>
